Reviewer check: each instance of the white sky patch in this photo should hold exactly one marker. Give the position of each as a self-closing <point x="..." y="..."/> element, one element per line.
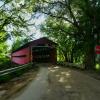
<point x="35" y="29"/>
<point x="1" y="3"/>
<point x="40" y="20"/>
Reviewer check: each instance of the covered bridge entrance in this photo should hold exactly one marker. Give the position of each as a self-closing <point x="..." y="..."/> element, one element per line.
<point x="42" y="53"/>
<point x="40" y="50"/>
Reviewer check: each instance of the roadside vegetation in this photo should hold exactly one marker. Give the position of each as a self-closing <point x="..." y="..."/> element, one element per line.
<point x="74" y="25"/>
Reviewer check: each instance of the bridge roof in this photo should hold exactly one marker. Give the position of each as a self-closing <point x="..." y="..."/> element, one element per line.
<point x="36" y="42"/>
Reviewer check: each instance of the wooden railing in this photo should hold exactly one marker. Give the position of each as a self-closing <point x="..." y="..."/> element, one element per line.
<point x="8" y="71"/>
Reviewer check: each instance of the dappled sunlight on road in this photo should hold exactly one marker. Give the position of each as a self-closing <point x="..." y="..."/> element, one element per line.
<point x="58" y="83"/>
<point x="66" y="73"/>
<point x="66" y="84"/>
<point x="53" y="69"/>
<point x="58" y="75"/>
<point x="56" y="67"/>
<point x="61" y="79"/>
<point x="68" y="87"/>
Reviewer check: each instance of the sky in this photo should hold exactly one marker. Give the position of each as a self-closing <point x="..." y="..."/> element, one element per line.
<point x="36" y="29"/>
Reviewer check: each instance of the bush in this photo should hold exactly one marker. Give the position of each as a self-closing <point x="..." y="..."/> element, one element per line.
<point x="5" y="64"/>
<point x="5" y="78"/>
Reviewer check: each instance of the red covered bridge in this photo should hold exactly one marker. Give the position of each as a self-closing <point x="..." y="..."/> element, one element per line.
<point x="40" y="50"/>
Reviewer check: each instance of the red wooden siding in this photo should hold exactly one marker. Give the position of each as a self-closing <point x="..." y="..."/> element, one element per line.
<point x="22" y="56"/>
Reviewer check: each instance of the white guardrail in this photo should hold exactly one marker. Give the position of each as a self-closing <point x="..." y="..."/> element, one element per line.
<point x="8" y="71"/>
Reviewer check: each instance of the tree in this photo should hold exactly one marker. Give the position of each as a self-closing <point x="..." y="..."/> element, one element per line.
<point x="13" y="19"/>
<point x="13" y="22"/>
<point x="52" y="28"/>
<point x="20" y="41"/>
<point x="83" y="16"/>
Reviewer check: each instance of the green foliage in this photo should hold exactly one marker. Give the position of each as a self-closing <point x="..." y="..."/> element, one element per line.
<point x="60" y="32"/>
<point x="13" y="23"/>
<point x="3" y="49"/>
<point x="5" y="63"/>
<point x="83" y="18"/>
<point x="5" y="78"/>
<point x="20" y="41"/>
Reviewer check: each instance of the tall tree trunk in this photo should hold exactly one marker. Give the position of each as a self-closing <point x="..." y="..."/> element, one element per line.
<point x="66" y="57"/>
<point x="90" y="58"/>
<point x="71" y="60"/>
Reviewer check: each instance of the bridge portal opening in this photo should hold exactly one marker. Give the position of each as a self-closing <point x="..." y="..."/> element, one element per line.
<point x="42" y="53"/>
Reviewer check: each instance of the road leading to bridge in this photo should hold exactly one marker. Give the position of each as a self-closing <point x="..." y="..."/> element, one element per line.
<point x="36" y="88"/>
<point x="56" y="83"/>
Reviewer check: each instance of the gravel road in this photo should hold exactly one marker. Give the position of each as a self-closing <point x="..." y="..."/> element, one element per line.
<point x="57" y="83"/>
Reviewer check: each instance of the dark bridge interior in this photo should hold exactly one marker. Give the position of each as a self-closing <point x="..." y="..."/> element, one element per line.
<point x="41" y="53"/>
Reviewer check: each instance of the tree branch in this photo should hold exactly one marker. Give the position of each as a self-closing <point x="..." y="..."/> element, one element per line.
<point x="60" y="17"/>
